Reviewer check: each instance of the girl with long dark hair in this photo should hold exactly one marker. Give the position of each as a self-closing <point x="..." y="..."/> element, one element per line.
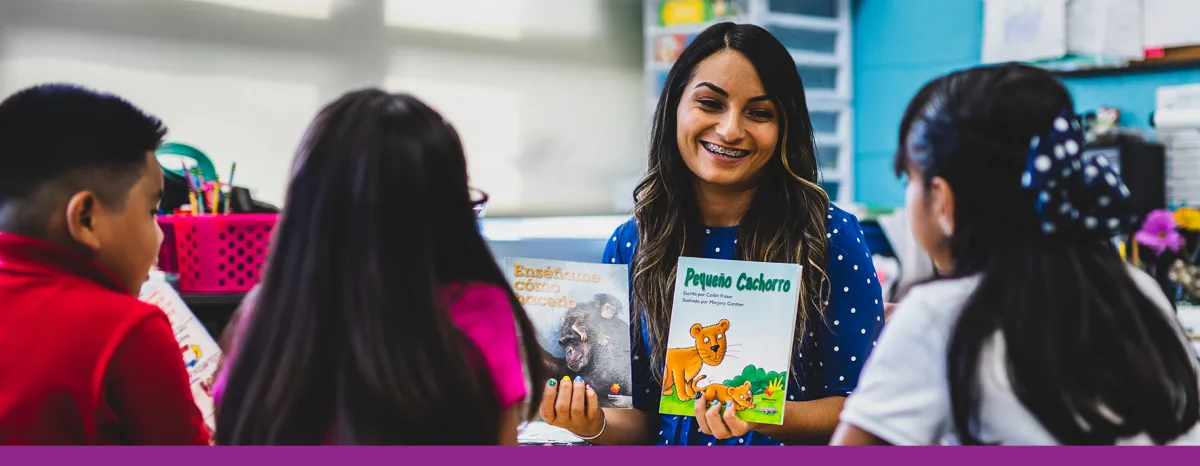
<point x="382" y="318"/>
<point x="732" y="174"/>
<point x="1037" y="333"/>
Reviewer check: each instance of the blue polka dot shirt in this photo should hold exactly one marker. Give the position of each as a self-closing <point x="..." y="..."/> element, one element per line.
<point x="831" y="355"/>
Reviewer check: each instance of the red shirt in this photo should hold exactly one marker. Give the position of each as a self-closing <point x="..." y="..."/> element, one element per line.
<point x="82" y="361"/>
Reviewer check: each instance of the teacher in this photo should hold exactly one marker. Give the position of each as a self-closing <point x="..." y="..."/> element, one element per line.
<point x="733" y="175"/>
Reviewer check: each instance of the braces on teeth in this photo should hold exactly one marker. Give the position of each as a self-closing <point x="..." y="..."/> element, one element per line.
<point x="726" y="152"/>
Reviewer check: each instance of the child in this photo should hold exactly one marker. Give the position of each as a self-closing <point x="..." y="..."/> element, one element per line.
<point x="83" y="361"/>
<point x="1038" y="333"/>
<point x="382" y="317"/>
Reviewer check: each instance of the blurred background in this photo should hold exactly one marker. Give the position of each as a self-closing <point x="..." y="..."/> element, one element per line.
<point x="543" y="91"/>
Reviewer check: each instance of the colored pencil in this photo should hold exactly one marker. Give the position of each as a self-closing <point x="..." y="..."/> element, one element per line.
<point x="229" y="198"/>
<point x="216" y="196"/>
<point x="199" y="190"/>
<point x="187" y="176"/>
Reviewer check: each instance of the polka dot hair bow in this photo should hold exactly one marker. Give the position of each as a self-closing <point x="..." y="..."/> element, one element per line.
<point x="1076" y="195"/>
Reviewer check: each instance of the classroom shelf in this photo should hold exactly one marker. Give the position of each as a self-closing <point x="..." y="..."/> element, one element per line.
<point x="1121" y="69"/>
<point x="691" y="28"/>
<point x="802" y="22"/>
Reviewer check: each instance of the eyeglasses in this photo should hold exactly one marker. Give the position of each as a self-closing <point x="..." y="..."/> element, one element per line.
<point x="478" y="202"/>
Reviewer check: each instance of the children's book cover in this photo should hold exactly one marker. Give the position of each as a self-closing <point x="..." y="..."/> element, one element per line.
<point x="581" y="314"/>
<point x="200" y="353"/>
<point x="731" y="337"/>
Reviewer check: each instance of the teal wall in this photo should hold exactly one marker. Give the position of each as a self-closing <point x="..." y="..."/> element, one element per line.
<point x="901" y="44"/>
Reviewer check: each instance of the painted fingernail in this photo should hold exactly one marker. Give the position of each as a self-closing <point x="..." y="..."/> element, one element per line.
<point x="578" y="379"/>
<point x="566" y="379"/>
<point x="552" y="383"/>
<point x="589" y="387"/>
<point x="729" y="404"/>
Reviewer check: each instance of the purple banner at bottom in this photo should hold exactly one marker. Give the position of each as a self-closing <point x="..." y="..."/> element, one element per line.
<point x="606" y="456"/>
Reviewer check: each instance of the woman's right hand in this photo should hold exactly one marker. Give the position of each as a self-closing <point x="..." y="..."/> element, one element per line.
<point x="572" y="405"/>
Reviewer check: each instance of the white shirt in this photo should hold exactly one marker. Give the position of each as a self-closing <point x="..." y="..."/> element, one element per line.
<point x="903" y="396"/>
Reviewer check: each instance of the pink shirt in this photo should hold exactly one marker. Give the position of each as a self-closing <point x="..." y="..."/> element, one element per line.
<point x="484" y="313"/>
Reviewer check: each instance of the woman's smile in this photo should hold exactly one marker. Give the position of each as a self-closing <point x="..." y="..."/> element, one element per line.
<point x="724" y="152"/>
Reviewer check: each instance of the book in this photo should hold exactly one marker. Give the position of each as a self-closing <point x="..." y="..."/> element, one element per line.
<point x="731" y="337"/>
<point x="200" y="353"/>
<point x="580" y="312"/>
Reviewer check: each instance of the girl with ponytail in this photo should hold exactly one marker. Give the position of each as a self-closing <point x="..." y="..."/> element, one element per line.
<point x="1037" y="333"/>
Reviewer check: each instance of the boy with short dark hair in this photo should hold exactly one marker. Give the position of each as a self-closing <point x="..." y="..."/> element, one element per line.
<point x="82" y="361"/>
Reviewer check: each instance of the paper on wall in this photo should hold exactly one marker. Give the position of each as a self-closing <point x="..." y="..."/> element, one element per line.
<point x="1106" y="28"/>
<point x="1024" y="30"/>
<point x="1170" y="23"/>
<point x="199" y="351"/>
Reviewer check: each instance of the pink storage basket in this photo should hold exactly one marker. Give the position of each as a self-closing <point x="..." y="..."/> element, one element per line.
<point x="167" y="260"/>
<point x="222" y="253"/>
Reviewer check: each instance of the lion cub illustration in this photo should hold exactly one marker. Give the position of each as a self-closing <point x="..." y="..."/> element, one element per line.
<point x="740" y="395"/>
<point x="684" y="364"/>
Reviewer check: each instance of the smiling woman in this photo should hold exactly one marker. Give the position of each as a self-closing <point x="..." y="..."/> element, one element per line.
<point x="732" y="174"/>
<point x="726" y="136"/>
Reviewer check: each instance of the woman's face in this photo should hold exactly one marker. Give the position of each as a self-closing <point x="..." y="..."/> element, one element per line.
<point x="727" y="125"/>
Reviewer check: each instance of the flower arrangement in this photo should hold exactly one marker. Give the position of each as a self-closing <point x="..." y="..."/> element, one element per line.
<point x="1166" y="235"/>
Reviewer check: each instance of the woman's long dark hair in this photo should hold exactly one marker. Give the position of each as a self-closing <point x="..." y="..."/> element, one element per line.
<point x="1093" y="358"/>
<point x="786" y="220"/>
<point x="349" y="334"/>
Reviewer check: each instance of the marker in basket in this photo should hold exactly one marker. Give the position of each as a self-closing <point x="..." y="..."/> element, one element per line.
<point x="215" y="186"/>
<point x="191" y="202"/>
<point x="198" y="206"/>
<point x="187" y="176"/>
<point x="191" y="185"/>
<point x="216" y="195"/>
<point x="203" y="191"/>
<point x="207" y="195"/>
<point x="229" y="198"/>
<point x="199" y="187"/>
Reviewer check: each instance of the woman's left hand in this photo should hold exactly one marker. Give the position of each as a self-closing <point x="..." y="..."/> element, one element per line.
<point x="721" y="426"/>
